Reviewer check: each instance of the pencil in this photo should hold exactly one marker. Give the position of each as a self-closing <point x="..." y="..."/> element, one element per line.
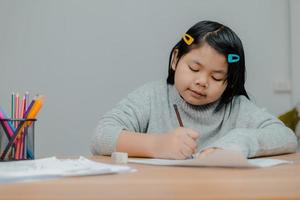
<point x="17" y="98"/>
<point x="178" y="115"/>
<point x="12" y="105"/>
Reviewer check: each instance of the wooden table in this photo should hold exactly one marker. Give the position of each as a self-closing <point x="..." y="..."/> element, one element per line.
<point x="161" y="182"/>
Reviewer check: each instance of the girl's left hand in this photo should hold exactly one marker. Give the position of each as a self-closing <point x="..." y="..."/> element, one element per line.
<point x="206" y="152"/>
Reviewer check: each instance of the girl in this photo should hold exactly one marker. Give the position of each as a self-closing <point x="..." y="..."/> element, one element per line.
<point x="205" y="85"/>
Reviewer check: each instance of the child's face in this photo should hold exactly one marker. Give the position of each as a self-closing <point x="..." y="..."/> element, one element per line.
<point x="200" y="75"/>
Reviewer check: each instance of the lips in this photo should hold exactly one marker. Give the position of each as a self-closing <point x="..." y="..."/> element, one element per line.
<point x="198" y="93"/>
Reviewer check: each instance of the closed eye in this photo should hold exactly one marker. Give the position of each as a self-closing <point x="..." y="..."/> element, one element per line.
<point x="192" y="69"/>
<point x="217" y="79"/>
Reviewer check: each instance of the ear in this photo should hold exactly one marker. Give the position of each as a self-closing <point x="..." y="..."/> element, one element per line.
<point x="174" y="59"/>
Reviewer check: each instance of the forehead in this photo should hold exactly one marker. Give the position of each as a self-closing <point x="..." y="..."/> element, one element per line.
<point x="207" y="57"/>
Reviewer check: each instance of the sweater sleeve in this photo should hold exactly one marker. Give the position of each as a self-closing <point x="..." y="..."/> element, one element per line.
<point x="131" y="114"/>
<point x="257" y="133"/>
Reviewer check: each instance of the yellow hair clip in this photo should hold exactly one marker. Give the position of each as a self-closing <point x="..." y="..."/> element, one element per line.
<point x="188" y="39"/>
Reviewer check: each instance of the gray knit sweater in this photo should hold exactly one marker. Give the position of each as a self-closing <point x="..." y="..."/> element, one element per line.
<point x="238" y="126"/>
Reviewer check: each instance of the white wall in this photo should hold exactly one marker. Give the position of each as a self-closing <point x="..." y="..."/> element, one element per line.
<point x="84" y="56"/>
<point x="295" y="46"/>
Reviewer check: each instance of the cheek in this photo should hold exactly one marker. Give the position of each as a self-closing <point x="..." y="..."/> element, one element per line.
<point x="219" y="88"/>
<point x="182" y="75"/>
<point x="223" y="88"/>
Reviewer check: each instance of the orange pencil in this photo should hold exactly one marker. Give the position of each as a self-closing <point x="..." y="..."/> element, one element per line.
<point x="32" y="113"/>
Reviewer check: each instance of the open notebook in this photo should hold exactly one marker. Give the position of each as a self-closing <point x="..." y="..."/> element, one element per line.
<point x="222" y="158"/>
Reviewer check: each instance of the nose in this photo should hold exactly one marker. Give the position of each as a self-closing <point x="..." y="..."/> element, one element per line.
<point x="202" y="80"/>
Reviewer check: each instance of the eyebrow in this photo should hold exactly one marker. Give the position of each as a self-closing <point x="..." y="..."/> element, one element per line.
<point x="214" y="71"/>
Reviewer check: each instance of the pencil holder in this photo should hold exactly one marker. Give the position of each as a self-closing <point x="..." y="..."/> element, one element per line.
<point x="16" y="139"/>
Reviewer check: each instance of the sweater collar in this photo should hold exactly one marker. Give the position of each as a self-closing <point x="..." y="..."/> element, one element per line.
<point x="192" y="111"/>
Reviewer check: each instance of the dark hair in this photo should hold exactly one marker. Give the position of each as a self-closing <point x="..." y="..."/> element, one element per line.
<point x="224" y="41"/>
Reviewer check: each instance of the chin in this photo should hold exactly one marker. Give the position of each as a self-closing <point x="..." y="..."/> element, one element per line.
<point x="196" y="103"/>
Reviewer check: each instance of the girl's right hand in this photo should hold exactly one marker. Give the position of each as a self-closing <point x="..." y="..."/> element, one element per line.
<point x="180" y="143"/>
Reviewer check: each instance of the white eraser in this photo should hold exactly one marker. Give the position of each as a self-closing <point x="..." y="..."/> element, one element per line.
<point x="119" y="157"/>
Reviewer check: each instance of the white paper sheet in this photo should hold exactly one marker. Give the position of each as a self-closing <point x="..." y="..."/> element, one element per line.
<point x="222" y="158"/>
<point x="49" y="168"/>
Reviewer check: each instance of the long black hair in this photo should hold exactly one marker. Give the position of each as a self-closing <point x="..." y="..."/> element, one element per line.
<point x="224" y="41"/>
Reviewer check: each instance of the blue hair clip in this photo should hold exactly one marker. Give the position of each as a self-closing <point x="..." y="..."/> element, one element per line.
<point x="232" y="58"/>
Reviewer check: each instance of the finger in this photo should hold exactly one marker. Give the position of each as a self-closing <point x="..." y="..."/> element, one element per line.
<point x="179" y="155"/>
<point x="193" y="134"/>
<point x="182" y="156"/>
<point x="187" y="151"/>
<point x="190" y="143"/>
<point x="205" y="153"/>
<point x="208" y="151"/>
